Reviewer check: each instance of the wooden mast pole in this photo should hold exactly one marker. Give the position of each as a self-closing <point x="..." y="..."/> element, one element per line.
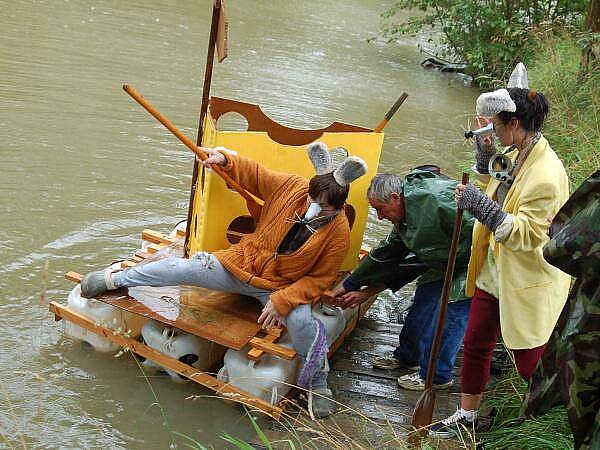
<point x="203" y="109"/>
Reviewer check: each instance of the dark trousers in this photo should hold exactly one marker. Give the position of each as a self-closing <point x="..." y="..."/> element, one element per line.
<point x="483" y="329"/>
<point x="419" y="327"/>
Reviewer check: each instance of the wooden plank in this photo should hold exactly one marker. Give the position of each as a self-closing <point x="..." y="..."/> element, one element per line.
<point x="179" y="233"/>
<point x="226" y="390"/>
<point x="272" y="349"/>
<point x="141" y="254"/>
<point x="136" y="259"/>
<point x="74" y="276"/>
<point x="157" y="238"/>
<point x="127" y="264"/>
<point x="227" y="319"/>
<point x="153" y="248"/>
<point x="273" y="334"/>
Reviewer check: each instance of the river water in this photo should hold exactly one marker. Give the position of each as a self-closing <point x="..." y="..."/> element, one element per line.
<point x="84" y="169"/>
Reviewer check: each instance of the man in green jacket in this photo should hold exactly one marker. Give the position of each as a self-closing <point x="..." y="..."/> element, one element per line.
<point x="422" y="209"/>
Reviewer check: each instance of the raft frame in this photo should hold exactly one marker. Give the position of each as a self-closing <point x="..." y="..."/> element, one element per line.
<point x="259" y="345"/>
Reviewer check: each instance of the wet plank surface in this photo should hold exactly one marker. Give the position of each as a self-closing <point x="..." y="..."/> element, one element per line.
<point x="227" y="319"/>
<point x="374" y="393"/>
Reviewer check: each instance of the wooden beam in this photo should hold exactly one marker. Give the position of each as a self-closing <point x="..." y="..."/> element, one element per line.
<point x="74" y="276"/>
<point x="272" y="349"/>
<point x="127" y="264"/>
<point x="273" y="334"/>
<point x="224" y="389"/>
<point x="141" y="254"/>
<point x="180" y="233"/>
<point x="153" y="248"/>
<point x="157" y="238"/>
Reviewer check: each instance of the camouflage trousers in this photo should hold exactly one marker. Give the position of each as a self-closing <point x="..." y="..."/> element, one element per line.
<point x="569" y="372"/>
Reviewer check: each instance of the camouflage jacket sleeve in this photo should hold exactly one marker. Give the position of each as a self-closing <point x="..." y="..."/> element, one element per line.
<point x="574" y="246"/>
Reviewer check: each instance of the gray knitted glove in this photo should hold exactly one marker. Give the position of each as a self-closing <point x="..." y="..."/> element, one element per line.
<point x="483" y="154"/>
<point x="486" y="210"/>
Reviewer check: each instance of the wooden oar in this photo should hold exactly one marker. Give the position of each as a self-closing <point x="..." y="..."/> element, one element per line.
<point x="423" y="413"/>
<point x="391" y="112"/>
<point x="253" y="206"/>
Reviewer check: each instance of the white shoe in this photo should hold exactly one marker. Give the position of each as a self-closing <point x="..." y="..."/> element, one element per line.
<point x="414" y="382"/>
<point x="455" y="425"/>
<point x="389" y="362"/>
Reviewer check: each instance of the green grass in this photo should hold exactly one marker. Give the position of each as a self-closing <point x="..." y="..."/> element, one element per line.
<point x="548" y="431"/>
<point x="573" y="125"/>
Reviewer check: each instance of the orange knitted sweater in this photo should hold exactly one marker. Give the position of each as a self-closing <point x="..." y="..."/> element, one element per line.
<point x="296" y="278"/>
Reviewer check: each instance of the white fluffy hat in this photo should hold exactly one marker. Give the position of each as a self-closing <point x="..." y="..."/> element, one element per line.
<point x="491" y="103"/>
<point x="518" y="77"/>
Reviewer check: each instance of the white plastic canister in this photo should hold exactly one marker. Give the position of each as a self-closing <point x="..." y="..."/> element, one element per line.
<point x="333" y="319"/>
<point x="192" y="350"/>
<point x="270" y="378"/>
<point x="108" y="316"/>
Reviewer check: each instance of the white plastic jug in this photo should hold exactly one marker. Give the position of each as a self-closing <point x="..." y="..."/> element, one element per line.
<point x="350" y="314"/>
<point x="192" y="350"/>
<point x="270" y="378"/>
<point x="333" y="319"/>
<point x="121" y="321"/>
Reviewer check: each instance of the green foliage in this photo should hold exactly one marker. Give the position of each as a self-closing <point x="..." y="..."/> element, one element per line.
<point x="549" y="431"/>
<point x="573" y="125"/>
<point x="489" y="35"/>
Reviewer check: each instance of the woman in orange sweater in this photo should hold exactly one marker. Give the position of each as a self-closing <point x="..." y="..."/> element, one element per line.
<point x="295" y="253"/>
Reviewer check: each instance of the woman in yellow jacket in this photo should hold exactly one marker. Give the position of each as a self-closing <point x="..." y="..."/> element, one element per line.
<point x="515" y="291"/>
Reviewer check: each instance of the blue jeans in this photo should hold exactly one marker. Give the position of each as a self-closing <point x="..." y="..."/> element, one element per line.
<point x="205" y="270"/>
<point x="416" y="337"/>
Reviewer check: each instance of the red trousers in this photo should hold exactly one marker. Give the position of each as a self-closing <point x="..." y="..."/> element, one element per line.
<point x="481" y="336"/>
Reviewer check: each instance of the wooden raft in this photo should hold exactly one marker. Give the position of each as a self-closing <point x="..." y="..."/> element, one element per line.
<point x="226" y="319"/>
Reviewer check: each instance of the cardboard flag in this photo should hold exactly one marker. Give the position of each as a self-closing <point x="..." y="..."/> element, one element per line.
<point x="222" y="30"/>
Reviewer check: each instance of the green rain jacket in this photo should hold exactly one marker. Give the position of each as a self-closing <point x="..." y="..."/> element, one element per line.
<point x="426" y="232"/>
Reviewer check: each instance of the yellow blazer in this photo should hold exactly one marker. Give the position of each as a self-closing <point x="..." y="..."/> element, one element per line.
<point x="532" y="293"/>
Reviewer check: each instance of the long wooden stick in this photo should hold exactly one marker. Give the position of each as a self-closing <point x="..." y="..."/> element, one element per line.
<point x="423" y="413"/>
<point x="391" y="112"/>
<point x="189" y="144"/>
<point x="203" y="109"/>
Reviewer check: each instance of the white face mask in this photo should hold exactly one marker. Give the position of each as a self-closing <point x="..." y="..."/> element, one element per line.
<point x="313" y="210"/>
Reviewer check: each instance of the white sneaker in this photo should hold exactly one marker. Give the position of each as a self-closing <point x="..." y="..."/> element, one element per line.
<point x="414" y="382"/>
<point x="389" y="362"/>
<point x="455" y="425"/>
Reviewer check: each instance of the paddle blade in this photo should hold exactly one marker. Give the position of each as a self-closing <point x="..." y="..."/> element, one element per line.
<point x="423" y="413"/>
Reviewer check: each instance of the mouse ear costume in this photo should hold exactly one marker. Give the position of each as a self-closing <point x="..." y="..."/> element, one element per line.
<point x="315" y="362"/>
<point x="352" y="168"/>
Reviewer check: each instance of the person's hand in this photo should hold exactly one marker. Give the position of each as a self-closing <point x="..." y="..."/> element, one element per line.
<point x="353" y="298"/>
<point x="214" y="157"/>
<point x="270" y="318"/>
<point x="338" y="290"/>
<point x="458" y="192"/>
<point x="482" y="122"/>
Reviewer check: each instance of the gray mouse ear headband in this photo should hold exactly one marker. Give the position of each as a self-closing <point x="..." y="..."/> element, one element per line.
<point x="352" y="168"/>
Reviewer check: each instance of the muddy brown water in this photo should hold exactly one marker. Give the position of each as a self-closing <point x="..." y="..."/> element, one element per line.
<point x="83" y="170"/>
